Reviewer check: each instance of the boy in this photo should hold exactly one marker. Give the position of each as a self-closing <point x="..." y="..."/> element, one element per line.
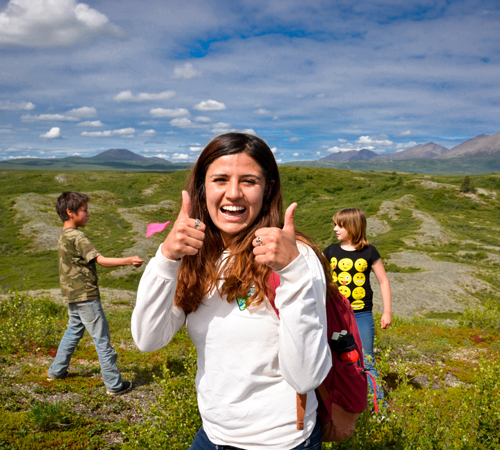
<point x="78" y="276"/>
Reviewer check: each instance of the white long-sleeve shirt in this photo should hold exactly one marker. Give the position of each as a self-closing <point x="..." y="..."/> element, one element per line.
<point x="250" y="363"/>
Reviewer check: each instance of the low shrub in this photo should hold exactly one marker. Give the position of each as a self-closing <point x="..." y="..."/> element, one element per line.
<point x="482" y="317"/>
<point x="464" y="417"/>
<point x="49" y="416"/>
<point x="29" y="323"/>
<point x="173" y="420"/>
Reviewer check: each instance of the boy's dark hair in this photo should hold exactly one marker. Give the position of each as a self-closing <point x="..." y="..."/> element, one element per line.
<point x="71" y="200"/>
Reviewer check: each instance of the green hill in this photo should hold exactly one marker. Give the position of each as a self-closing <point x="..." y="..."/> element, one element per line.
<point x="441" y="247"/>
<point x="77" y="163"/>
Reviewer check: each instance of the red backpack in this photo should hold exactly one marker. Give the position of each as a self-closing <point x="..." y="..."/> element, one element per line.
<point x="342" y="396"/>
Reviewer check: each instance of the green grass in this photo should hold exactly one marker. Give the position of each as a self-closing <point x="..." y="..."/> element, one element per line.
<point x="319" y="193"/>
<point x="76" y="413"/>
<point x="31" y="327"/>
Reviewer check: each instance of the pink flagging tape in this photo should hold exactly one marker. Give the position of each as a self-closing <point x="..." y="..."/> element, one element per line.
<point x="156" y="228"/>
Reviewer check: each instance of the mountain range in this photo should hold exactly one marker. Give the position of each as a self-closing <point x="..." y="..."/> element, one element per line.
<point x="481" y="146"/>
<point x="474" y="156"/>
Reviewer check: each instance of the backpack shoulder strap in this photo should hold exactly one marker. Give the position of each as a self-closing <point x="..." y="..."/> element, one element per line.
<point x="274" y="283"/>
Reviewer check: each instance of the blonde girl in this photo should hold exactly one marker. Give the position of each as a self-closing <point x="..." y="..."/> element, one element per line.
<point x="352" y="260"/>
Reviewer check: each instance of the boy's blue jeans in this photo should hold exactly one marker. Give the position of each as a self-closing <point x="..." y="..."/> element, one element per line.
<point x="366" y="327"/>
<point x="88" y="315"/>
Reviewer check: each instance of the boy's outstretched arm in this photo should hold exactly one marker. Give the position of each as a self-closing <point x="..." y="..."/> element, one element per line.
<point x="116" y="262"/>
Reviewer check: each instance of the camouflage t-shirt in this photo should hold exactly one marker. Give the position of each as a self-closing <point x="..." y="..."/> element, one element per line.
<point x="77" y="269"/>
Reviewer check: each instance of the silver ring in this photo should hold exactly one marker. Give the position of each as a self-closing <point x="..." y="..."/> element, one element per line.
<point x="197" y="223"/>
<point x="258" y="241"/>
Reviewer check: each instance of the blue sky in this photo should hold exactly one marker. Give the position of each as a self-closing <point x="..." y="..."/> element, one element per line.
<point x="161" y="78"/>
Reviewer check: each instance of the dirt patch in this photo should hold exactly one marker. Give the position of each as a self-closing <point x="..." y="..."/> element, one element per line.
<point x="150" y="190"/>
<point x="439" y="287"/>
<point x="376" y="226"/>
<point x="61" y="178"/>
<point x="434" y="185"/>
<point x="392" y="208"/>
<point x="144" y="247"/>
<point x="112" y="299"/>
<point x="42" y="224"/>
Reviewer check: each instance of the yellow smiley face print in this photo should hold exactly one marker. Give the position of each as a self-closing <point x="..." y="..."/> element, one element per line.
<point x="333" y="263"/>
<point x="357" y="305"/>
<point x="345" y="291"/>
<point x="358" y="293"/>
<point x="344" y="278"/>
<point x="334" y="277"/>
<point x="345" y="264"/>
<point x="361" y="265"/>
<point x="359" y="279"/>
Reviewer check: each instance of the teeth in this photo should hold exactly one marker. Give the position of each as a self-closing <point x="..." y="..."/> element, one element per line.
<point x="233" y="208"/>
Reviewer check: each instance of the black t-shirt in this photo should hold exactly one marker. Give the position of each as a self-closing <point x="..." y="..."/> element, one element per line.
<point x="351" y="271"/>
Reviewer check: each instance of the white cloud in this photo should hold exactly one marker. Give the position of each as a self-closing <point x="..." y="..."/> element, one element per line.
<point x="336" y="149"/>
<point x="127" y="96"/>
<point x="53" y="133"/>
<point x="23" y="157"/>
<point x="149" y="133"/>
<point x="93" y="123"/>
<point x="16" y="106"/>
<point x="126" y="132"/>
<point x="405" y="133"/>
<point x="341" y="140"/>
<point x="180" y="156"/>
<point x="294" y="139"/>
<point x="195" y="149"/>
<point x="210" y="105"/>
<point x="295" y="154"/>
<point x="372" y="143"/>
<point x="163" y="112"/>
<point x="73" y="115"/>
<point x="85" y="112"/>
<point x="247" y="131"/>
<point x="203" y="119"/>
<point x="405" y="145"/>
<point x="262" y="112"/>
<point x="51" y="23"/>
<point x="184" y="122"/>
<point x="221" y="127"/>
<point x="274" y="149"/>
<point x="186" y="71"/>
<point x="161" y="155"/>
<point x="46" y="117"/>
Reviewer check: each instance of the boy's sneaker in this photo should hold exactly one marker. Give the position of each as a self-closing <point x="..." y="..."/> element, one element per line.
<point x="64" y="375"/>
<point x="126" y="386"/>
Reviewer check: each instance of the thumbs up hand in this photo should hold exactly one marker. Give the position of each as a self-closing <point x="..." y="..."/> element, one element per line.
<point x="187" y="234"/>
<point x="277" y="247"/>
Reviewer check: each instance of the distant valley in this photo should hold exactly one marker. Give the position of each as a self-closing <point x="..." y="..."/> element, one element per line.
<point x="479" y="155"/>
<point x="113" y="159"/>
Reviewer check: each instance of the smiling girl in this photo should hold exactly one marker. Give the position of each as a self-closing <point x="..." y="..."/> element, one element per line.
<point x="351" y="261"/>
<point x="212" y="273"/>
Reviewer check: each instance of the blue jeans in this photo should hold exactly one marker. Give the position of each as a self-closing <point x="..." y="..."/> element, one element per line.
<point x="201" y="441"/>
<point x="366" y="327"/>
<point x="88" y="315"/>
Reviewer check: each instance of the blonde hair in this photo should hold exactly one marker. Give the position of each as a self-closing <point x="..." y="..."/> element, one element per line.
<point x="353" y="220"/>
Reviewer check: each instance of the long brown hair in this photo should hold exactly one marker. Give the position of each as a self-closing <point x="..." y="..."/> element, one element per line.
<point x="201" y="273"/>
<point x="354" y="222"/>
